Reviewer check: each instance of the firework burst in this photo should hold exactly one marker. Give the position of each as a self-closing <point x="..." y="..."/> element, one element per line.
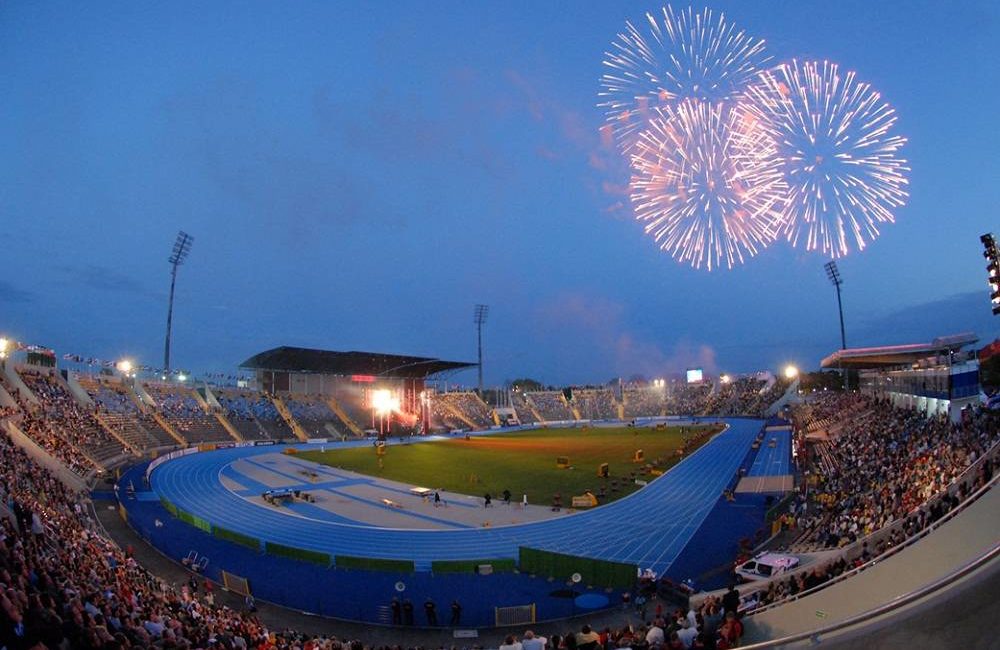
<point x="681" y="55"/>
<point x="841" y="161"/>
<point x="707" y="182"/>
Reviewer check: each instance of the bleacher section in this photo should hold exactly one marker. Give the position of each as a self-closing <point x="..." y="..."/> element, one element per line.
<point x="316" y="417"/>
<point x="550" y="405"/>
<point x="688" y="399"/>
<point x="442" y="418"/>
<point x="469" y="405"/>
<point x="61" y="415"/>
<point x="180" y="408"/>
<point x="354" y="408"/>
<point x="252" y="414"/>
<point x="116" y="409"/>
<point x="880" y="466"/>
<point x="644" y="401"/>
<point x="525" y="414"/>
<point x="595" y="404"/>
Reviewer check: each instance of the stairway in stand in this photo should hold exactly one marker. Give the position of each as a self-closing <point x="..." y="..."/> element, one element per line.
<point x="287" y="415"/>
<point x="342" y="414"/>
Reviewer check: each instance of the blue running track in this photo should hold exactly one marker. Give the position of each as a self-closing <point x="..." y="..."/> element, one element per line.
<point x="648" y="528"/>
<point x="773" y="461"/>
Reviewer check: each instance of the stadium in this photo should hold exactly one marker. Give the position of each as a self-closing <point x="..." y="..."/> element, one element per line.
<point x="348" y="472"/>
<point x="728" y="380"/>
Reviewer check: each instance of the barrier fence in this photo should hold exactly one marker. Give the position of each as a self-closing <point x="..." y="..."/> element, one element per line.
<point x="516" y="615"/>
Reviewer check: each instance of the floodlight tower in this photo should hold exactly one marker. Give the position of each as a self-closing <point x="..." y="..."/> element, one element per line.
<point x="182" y="246"/>
<point x="834" y="274"/>
<point x="479" y="318"/>
<point x="992" y="256"/>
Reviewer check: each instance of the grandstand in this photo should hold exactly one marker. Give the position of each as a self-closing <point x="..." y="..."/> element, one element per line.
<point x="467" y="407"/>
<point x="526" y="413"/>
<point x="253" y="415"/>
<point x="688" y="399"/>
<point x="118" y="413"/>
<point x="187" y="413"/>
<point x="643" y="401"/>
<point x="315" y="416"/>
<point x="442" y="418"/>
<point x="331" y="393"/>
<point x="876" y="465"/>
<point x="879" y="473"/>
<point x="596" y="404"/>
<point x="550" y="405"/>
<point x="933" y="378"/>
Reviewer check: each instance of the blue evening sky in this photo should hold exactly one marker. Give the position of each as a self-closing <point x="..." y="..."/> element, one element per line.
<point x="359" y="175"/>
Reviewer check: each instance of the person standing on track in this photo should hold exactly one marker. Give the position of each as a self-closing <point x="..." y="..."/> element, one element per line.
<point x="397" y="615"/>
<point x="407" y="612"/>
<point x="431" y="611"/>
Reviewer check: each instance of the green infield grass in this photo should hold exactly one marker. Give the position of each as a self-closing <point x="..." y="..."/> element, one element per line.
<point x="525" y="462"/>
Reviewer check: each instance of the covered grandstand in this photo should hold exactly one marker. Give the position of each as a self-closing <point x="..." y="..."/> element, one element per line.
<point x="333" y="393"/>
<point x="934" y="378"/>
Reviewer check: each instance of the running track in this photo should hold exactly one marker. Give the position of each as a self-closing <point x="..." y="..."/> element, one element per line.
<point x="648" y="528"/>
<point x="773" y="461"/>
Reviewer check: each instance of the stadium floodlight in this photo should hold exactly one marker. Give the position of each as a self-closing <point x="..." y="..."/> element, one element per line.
<point x="992" y="256"/>
<point x="479" y="315"/>
<point x="182" y="246"/>
<point x="384" y="402"/>
<point x="125" y="367"/>
<point x="725" y="379"/>
<point x="833" y="273"/>
<point x="3" y="348"/>
<point x="791" y="372"/>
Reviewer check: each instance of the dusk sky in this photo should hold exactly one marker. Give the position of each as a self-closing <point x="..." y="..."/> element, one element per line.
<point x="358" y="175"/>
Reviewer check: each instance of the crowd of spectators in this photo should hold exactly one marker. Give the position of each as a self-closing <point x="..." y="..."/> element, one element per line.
<point x="521" y="407"/>
<point x="468" y="404"/>
<point x="443" y="418"/>
<point x="644" y="401"/>
<point x="889" y="537"/>
<point x="688" y="399"/>
<point x="596" y="404"/>
<point x="550" y="404"/>
<point x="746" y="395"/>
<point x="59" y="447"/>
<point x="63" y="585"/>
<point x="884" y="466"/>
<point x="67" y="419"/>
<point x="713" y="625"/>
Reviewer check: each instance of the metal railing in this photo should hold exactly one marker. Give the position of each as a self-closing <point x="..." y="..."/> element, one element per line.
<point x="891" y="606"/>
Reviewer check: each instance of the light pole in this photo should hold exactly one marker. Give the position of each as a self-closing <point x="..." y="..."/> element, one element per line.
<point x="182" y="246"/>
<point x="992" y="256"/>
<point x="834" y="274"/>
<point x="479" y="317"/>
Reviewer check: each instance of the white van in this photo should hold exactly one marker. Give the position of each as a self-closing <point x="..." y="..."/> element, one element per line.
<point x="766" y="565"/>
